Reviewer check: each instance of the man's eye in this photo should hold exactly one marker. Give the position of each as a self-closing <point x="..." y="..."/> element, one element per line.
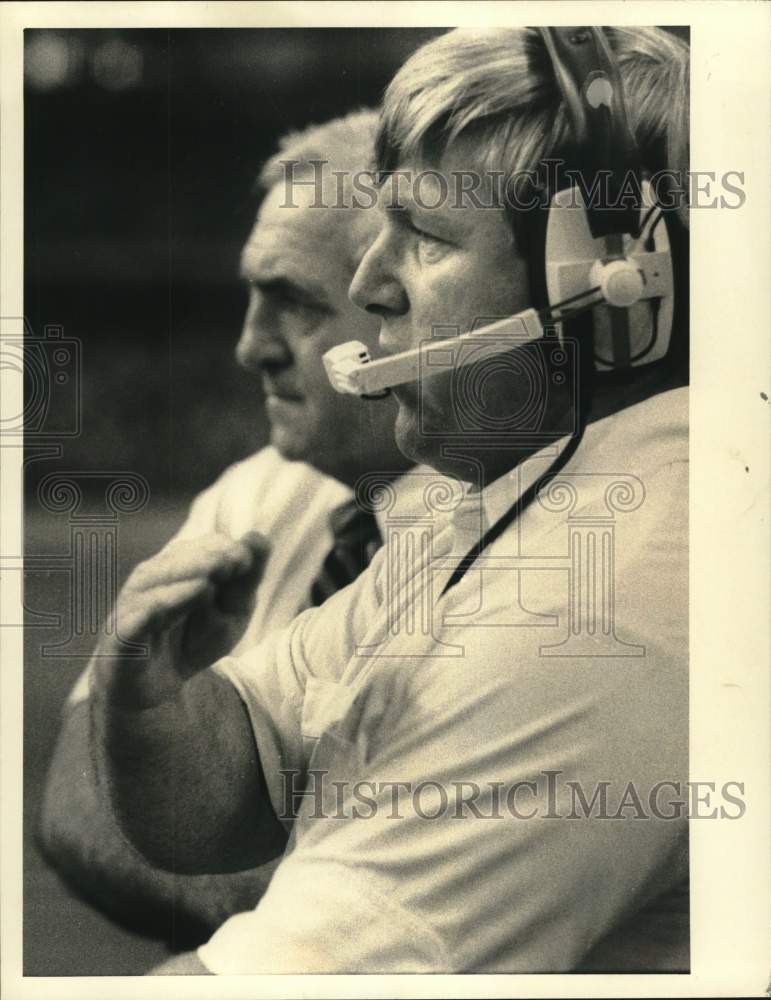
<point x="422" y="233"/>
<point x="430" y="248"/>
<point x="290" y="301"/>
<point x="283" y="296"/>
<point x="287" y="298"/>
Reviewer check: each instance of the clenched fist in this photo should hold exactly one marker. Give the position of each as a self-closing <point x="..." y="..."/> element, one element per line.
<point x="188" y="605"/>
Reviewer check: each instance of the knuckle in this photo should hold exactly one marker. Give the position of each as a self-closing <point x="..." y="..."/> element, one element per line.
<point x="139" y="573"/>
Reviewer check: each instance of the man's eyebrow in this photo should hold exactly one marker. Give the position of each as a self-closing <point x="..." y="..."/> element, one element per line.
<point x="401" y="202"/>
<point x="408" y="211"/>
<point x="410" y="197"/>
<point x="273" y="280"/>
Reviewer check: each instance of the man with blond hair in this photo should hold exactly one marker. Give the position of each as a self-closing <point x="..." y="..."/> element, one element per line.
<point x="499" y="791"/>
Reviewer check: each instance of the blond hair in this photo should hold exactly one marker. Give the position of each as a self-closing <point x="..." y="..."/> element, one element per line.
<point x="497" y="86"/>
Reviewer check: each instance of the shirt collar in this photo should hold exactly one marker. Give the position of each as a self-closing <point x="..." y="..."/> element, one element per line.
<point x="408" y="489"/>
<point x="478" y="511"/>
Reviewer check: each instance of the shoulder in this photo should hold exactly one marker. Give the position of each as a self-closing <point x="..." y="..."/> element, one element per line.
<point x="636" y="459"/>
<point x="253" y="492"/>
<point x="421" y="492"/>
<point x="646" y="436"/>
<point x="264" y="470"/>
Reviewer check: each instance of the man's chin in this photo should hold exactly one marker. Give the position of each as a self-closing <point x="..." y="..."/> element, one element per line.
<point x="433" y="448"/>
<point x="409" y="441"/>
<point x="289" y="445"/>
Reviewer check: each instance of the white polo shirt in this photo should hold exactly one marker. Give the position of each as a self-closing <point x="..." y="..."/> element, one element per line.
<point x="491" y="769"/>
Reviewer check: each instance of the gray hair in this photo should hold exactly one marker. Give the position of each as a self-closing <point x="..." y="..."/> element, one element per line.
<point x="345" y="145"/>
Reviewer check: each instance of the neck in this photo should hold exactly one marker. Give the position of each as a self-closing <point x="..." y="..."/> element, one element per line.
<point x="386" y="472"/>
<point x="611" y="394"/>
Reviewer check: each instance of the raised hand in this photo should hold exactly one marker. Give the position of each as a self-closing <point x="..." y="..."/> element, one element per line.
<point x="189" y="605"/>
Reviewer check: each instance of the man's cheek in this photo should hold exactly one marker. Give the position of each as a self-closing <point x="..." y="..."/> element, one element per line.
<point x="408" y="443"/>
<point x="309" y="352"/>
<point x="437" y="401"/>
<point x="406" y="422"/>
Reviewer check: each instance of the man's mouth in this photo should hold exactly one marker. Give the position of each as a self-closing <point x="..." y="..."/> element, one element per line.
<point x="387" y="343"/>
<point x="407" y="393"/>
<point x="281" y="394"/>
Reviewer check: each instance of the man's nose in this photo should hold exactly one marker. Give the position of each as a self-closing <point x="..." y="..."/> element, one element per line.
<point x="375" y="286"/>
<point x="261" y="344"/>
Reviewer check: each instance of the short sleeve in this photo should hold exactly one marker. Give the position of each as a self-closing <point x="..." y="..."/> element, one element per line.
<point x="293" y="683"/>
<point x="490" y="820"/>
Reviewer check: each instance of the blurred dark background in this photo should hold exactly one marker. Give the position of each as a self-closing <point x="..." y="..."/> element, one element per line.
<point x="141" y="149"/>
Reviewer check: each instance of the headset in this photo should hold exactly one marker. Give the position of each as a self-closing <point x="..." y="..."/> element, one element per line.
<point x="611" y="257"/>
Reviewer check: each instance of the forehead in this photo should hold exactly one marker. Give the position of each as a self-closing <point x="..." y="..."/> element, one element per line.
<point x="451" y="188"/>
<point x="296" y="208"/>
<point x="294" y="226"/>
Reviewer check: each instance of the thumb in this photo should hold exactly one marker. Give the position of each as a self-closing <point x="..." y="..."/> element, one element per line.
<point x="236" y="595"/>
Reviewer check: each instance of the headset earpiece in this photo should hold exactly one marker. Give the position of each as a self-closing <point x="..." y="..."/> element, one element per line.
<point x="635" y="326"/>
<point x="597" y="246"/>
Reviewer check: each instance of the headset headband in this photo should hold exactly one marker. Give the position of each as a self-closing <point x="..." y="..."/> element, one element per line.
<point x="588" y="77"/>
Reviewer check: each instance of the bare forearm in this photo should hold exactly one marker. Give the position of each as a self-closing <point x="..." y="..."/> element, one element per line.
<point x="184" y="777"/>
<point x="78" y="836"/>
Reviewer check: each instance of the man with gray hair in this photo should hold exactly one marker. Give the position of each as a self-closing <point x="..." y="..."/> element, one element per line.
<point x="286" y="513"/>
<point x="503" y="791"/>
